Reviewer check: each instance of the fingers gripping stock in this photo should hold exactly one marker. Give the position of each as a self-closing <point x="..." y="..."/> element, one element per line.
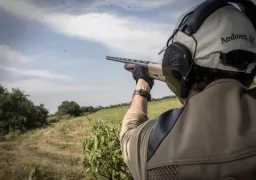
<point x="154" y="69"/>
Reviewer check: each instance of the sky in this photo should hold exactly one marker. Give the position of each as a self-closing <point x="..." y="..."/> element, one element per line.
<point x="55" y="50"/>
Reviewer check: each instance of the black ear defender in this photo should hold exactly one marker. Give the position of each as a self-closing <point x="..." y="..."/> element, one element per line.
<point x="178" y="59"/>
<point x="175" y="65"/>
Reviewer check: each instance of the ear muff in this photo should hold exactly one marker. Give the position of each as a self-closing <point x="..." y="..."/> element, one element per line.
<point x="175" y="65"/>
<point x="205" y="9"/>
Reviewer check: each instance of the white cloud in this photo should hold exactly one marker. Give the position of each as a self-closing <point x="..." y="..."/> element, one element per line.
<point x="35" y="86"/>
<point x="10" y="59"/>
<point x="86" y="6"/>
<point x="134" y="4"/>
<point x="127" y="36"/>
<point x="9" y="56"/>
<point x="35" y="73"/>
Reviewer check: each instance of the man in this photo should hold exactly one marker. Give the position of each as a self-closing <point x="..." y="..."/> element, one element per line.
<point x="213" y="136"/>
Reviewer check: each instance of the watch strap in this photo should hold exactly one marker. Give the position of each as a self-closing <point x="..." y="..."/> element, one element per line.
<point x="143" y="93"/>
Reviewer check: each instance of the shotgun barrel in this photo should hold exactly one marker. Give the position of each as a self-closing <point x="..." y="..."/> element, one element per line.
<point x="154" y="68"/>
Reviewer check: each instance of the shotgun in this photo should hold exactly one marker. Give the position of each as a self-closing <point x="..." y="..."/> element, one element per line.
<point x="154" y="68"/>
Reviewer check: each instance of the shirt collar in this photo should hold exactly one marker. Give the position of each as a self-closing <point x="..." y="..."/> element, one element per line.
<point x="233" y="81"/>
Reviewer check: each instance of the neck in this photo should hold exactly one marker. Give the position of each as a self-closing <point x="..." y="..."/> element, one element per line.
<point x="190" y="94"/>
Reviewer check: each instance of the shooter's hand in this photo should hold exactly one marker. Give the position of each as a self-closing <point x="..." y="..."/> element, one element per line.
<point x="142" y="73"/>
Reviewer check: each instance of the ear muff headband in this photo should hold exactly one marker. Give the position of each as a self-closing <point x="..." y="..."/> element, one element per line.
<point x="176" y="76"/>
<point x="204" y="10"/>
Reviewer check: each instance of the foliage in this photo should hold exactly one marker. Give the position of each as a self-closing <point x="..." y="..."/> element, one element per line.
<point x="73" y="109"/>
<point x="69" y="108"/>
<point x="88" y="109"/>
<point x="127" y="104"/>
<point x="102" y="154"/>
<point x="17" y="112"/>
<point x="163" y="98"/>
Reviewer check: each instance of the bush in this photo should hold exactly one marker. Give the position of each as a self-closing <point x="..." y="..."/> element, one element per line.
<point x="88" y="110"/>
<point x="102" y="154"/>
<point x="69" y="108"/>
<point x="17" y="112"/>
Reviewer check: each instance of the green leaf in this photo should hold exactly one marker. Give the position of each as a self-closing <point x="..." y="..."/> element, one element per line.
<point x="102" y="154"/>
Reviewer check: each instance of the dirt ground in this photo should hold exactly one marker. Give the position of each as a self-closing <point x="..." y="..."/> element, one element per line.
<point x="54" y="152"/>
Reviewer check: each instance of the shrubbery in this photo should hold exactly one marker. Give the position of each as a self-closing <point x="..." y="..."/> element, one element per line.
<point x="17" y="112"/>
<point x="73" y="109"/>
<point x="102" y="154"/>
<point x="69" y="108"/>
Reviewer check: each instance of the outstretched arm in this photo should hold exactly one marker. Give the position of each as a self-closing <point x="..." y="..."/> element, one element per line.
<point x="136" y="114"/>
<point x="134" y="117"/>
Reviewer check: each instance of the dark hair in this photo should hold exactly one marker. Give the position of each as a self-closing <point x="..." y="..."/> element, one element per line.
<point x="202" y="77"/>
<point x="240" y="59"/>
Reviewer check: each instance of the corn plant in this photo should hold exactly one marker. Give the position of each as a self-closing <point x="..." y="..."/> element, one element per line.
<point x="102" y="154"/>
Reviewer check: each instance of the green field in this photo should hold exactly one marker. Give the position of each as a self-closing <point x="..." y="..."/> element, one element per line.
<point x="55" y="152"/>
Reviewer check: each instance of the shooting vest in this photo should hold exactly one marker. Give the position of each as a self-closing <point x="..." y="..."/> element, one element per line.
<point x="212" y="137"/>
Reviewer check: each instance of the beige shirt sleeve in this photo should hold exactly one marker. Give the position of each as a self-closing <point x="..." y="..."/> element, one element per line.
<point x="132" y="119"/>
<point x="134" y="137"/>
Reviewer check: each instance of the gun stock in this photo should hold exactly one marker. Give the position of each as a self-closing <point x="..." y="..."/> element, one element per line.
<point x="154" y="68"/>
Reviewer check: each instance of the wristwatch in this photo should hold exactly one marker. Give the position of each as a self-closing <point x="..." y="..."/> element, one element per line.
<point x="143" y="93"/>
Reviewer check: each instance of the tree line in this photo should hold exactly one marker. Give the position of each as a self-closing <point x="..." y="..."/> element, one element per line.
<point x="18" y="112"/>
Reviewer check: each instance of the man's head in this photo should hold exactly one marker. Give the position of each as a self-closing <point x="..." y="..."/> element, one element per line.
<point x="224" y="46"/>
